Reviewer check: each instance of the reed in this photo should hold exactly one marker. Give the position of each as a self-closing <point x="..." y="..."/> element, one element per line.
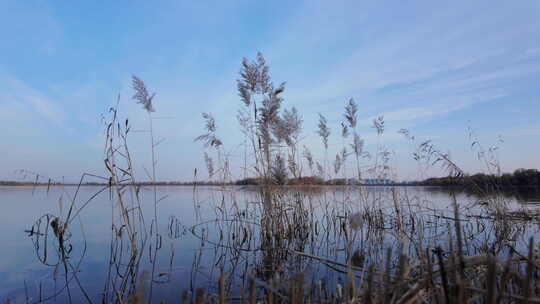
<point x="273" y="243"/>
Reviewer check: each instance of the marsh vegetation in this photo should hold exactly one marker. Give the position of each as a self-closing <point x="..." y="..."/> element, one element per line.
<point x="273" y="244"/>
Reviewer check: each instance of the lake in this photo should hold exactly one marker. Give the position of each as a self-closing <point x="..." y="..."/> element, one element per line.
<point x="193" y="235"/>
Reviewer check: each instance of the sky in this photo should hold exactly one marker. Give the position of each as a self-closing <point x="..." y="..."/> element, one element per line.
<point x="436" y="69"/>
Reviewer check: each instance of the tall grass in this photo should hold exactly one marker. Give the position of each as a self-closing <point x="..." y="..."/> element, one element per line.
<point x="275" y="244"/>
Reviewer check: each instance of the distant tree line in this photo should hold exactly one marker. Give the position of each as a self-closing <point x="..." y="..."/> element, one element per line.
<point x="519" y="178"/>
<point x="282" y="180"/>
<point x="25" y="183"/>
<point x="314" y="180"/>
<point x="275" y="179"/>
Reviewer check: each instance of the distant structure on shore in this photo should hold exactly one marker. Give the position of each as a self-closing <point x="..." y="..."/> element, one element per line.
<point x="370" y="181"/>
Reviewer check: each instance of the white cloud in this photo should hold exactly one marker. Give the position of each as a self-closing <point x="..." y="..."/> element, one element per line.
<point x="19" y="95"/>
<point x="408" y="114"/>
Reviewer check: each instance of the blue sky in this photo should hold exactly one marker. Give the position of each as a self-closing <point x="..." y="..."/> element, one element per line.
<point x="432" y="68"/>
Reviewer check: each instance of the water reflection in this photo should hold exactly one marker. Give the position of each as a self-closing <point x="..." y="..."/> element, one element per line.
<point x="118" y="249"/>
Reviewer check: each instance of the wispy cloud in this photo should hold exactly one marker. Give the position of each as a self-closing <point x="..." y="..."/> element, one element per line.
<point x="14" y="91"/>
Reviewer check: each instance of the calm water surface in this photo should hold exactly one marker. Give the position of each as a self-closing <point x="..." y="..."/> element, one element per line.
<point x="193" y="247"/>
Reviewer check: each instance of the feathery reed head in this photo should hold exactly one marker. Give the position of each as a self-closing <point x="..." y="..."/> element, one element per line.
<point x="142" y="96"/>
<point x="324" y="130"/>
<point x="351" y="113"/>
<point x="210" y="139"/>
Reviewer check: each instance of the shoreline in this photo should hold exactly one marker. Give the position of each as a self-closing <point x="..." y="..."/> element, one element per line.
<point x="19" y="184"/>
